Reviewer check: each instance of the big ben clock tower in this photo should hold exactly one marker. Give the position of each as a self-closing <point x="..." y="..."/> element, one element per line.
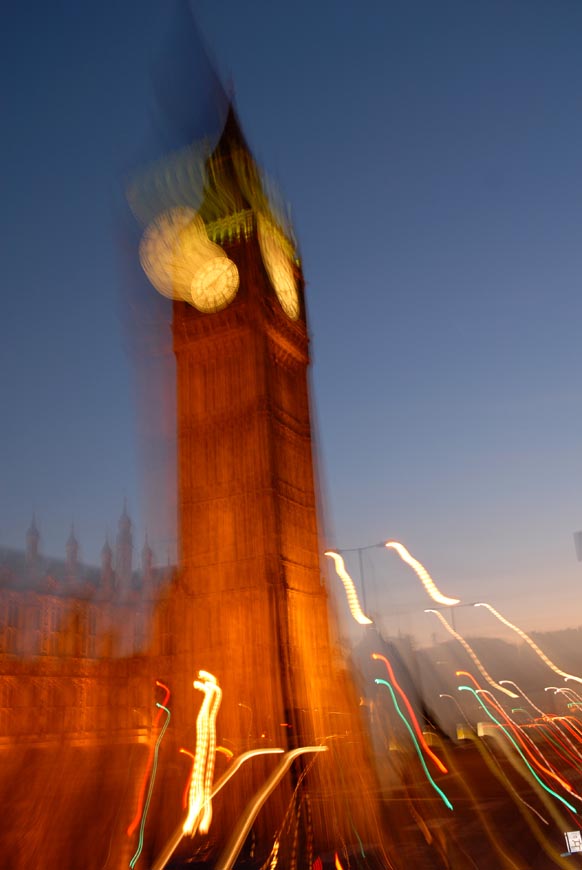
<point x="250" y="603"/>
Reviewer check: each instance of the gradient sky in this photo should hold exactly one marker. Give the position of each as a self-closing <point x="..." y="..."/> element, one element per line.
<point x="432" y="157"/>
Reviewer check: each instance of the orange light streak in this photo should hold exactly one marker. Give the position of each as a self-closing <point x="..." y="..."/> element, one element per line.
<point x="520" y="738"/>
<point x="138" y="813"/>
<point x="351" y="594"/>
<point x="417" y="728"/>
<point x="471" y="677"/>
<point x="472" y="655"/>
<point x="528" y="640"/>
<point x="422" y="574"/>
<point x="338" y="863"/>
<point x="189" y="780"/>
<point x="225" y="751"/>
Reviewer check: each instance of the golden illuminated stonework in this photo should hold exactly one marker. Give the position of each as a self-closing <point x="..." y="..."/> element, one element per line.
<point x="278" y="259"/>
<point x="215" y="285"/>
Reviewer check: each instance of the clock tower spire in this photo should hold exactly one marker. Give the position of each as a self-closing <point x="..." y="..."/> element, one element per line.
<point x="250" y="602"/>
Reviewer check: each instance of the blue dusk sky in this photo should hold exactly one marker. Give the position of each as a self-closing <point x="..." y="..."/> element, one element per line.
<point x="431" y="154"/>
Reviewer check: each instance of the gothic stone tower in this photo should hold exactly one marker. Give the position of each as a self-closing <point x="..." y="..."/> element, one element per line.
<point x="250" y="605"/>
<point x="256" y="614"/>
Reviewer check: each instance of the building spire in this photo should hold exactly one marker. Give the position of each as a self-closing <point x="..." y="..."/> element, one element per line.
<point x="32" y="543"/>
<point x="72" y="553"/>
<point x="124" y="550"/>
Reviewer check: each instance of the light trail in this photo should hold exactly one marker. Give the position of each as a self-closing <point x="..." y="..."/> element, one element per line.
<point x="472" y="655"/>
<point x="572" y="690"/>
<point x="510" y="738"/>
<point x="138" y="851"/>
<point x="523" y="739"/>
<point x="135" y="821"/>
<point x="528" y="640"/>
<point x="240" y="833"/>
<point x="522" y="693"/>
<point x="351" y="594"/>
<point x="422" y="574"/>
<point x="471" y="677"/>
<point x="176" y="837"/>
<point x="439" y="791"/>
<point x="413" y="718"/>
<point x="199" y="799"/>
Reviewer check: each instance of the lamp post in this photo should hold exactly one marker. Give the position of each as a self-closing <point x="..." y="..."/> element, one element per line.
<point x="359" y="551"/>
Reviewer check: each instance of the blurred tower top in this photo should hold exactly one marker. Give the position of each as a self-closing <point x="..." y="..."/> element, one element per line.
<point x="32" y="541"/>
<point x="72" y="551"/>
<point x="106" y="554"/>
<point x="188" y="99"/>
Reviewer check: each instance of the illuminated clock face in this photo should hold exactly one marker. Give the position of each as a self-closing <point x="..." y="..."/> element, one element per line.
<point x="183" y="263"/>
<point x="160" y="252"/>
<point x="277" y="260"/>
<point x="215" y="285"/>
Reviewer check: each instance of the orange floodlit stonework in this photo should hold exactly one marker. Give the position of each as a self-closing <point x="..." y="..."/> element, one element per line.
<point x="97" y="666"/>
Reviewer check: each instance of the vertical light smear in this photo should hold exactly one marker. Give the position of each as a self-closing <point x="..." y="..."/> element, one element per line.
<point x="138" y="851"/>
<point x="351" y="594"/>
<point x="200" y="804"/>
<point x="138" y="814"/>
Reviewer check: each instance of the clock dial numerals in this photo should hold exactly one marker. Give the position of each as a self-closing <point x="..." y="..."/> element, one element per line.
<point x="182" y="263"/>
<point x="277" y="260"/>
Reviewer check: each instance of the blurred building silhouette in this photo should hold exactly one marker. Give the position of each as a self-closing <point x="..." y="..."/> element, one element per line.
<point x="60" y="620"/>
<point x="82" y="648"/>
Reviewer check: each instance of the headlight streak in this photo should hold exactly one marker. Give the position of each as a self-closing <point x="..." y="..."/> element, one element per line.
<point x="439" y="791"/>
<point x="199" y="802"/>
<point x="522" y="693"/>
<point x="569" y="693"/>
<point x="178" y="834"/>
<point x="471" y="654"/>
<point x="471" y="677"/>
<point x="490" y="760"/>
<point x="245" y="822"/>
<point x="138" y="851"/>
<point x="351" y="594"/>
<point x="422" y="574"/>
<point x="413" y="718"/>
<point x="273" y="857"/>
<point x="570" y="723"/>
<point x="510" y="738"/>
<point x="523" y="738"/>
<point x="572" y="758"/>
<point x="138" y="814"/>
<point x="572" y="690"/>
<point x="528" y="640"/>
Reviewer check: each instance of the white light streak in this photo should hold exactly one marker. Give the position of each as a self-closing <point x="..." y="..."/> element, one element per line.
<point x="528" y="640"/>
<point x="351" y="593"/>
<point x="472" y="655"/>
<point x="422" y="574"/>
